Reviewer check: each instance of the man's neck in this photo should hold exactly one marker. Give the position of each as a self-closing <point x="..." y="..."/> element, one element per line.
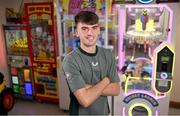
<point x="91" y="49"/>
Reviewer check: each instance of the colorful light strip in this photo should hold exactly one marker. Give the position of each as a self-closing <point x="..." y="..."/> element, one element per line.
<point x="124" y="109"/>
<point x="142" y="105"/>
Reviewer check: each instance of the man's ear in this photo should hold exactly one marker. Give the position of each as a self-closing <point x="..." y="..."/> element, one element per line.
<point x="99" y="31"/>
<point x="76" y="32"/>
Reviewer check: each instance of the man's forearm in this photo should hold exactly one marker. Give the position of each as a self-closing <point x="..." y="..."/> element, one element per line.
<point x="112" y="89"/>
<point x="86" y="96"/>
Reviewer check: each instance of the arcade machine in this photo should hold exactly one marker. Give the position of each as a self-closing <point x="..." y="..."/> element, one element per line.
<point x="19" y="63"/>
<point x="146" y="59"/>
<point x="42" y="43"/>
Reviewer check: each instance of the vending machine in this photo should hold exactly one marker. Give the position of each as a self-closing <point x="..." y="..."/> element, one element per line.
<point x="20" y="66"/>
<point x="42" y="42"/>
<point x="146" y="59"/>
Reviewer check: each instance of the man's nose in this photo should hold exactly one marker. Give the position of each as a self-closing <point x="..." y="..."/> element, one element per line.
<point x="90" y="32"/>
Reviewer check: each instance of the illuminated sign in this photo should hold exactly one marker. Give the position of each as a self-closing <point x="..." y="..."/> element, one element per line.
<point x="142" y="96"/>
<point x="164" y="58"/>
<point x="28" y="88"/>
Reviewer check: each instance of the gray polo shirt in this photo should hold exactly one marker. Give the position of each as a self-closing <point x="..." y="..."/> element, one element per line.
<point x="82" y="68"/>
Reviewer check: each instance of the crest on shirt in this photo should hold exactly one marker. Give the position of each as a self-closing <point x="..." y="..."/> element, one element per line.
<point x="94" y="63"/>
<point x="68" y="75"/>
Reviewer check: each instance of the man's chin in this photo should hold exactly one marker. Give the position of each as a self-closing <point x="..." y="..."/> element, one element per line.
<point x="90" y="45"/>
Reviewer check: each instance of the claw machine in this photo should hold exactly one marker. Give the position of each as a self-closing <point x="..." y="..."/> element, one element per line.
<point x="43" y="43"/>
<point x="20" y="66"/>
<point x="146" y="59"/>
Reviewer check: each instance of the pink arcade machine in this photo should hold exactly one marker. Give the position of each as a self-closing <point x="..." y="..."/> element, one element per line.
<point x="146" y="59"/>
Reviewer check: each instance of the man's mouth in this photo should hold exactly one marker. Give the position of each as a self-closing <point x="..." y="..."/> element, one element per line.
<point x="90" y="38"/>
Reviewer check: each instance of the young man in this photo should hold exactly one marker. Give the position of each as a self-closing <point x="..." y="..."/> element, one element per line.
<point x="90" y="70"/>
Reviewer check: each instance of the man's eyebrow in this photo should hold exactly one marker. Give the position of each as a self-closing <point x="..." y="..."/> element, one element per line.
<point x="84" y="27"/>
<point x="95" y="26"/>
<point x="90" y="27"/>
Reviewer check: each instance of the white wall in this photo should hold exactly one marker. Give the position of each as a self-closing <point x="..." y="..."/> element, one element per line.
<point x="3" y="57"/>
<point x="175" y="94"/>
<point x="176" y="11"/>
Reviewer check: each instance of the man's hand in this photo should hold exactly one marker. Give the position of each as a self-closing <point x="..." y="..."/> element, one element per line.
<point x="113" y="89"/>
<point x="88" y="86"/>
<point x="87" y="95"/>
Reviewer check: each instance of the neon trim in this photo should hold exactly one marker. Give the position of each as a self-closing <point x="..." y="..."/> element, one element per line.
<point x="142" y="105"/>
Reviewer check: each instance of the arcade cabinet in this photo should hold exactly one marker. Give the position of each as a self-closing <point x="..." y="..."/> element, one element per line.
<point x="18" y="57"/>
<point x="43" y="49"/>
<point x="146" y="59"/>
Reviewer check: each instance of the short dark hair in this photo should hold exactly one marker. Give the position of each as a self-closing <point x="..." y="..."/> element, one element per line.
<point x="86" y="17"/>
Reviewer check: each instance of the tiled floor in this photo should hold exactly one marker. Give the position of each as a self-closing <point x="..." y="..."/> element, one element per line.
<point x="36" y="108"/>
<point x="174" y="111"/>
<point x="24" y="107"/>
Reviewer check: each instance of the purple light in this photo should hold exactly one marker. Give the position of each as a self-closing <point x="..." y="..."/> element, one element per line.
<point x="124" y="114"/>
<point x="121" y="33"/>
<point x="163" y="75"/>
<point x="157" y="14"/>
<point x="28" y="88"/>
<point x="149" y="52"/>
<point x="156" y="113"/>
